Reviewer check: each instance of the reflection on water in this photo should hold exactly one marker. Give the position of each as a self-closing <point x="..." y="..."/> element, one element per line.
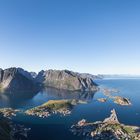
<point x="28" y="100"/>
<point x="14" y="100"/>
<point x="63" y="94"/>
<point x="93" y="111"/>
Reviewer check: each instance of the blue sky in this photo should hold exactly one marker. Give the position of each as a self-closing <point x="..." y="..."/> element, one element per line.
<point x="95" y="36"/>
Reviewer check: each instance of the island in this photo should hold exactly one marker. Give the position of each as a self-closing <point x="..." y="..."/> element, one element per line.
<point x="109" y="129"/>
<point x="102" y="100"/>
<point x="117" y="99"/>
<point x="122" y="101"/>
<point x="8" y="112"/>
<point x="109" y="91"/>
<point x="63" y="107"/>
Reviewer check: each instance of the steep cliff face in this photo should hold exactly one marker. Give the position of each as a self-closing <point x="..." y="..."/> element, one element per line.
<point x="66" y="80"/>
<point x="16" y="80"/>
<point x="19" y="80"/>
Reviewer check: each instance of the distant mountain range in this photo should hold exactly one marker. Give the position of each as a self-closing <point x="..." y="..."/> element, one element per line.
<point x="20" y="80"/>
<point x="118" y="76"/>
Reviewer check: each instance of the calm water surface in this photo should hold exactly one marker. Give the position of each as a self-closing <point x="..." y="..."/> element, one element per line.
<point x="57" y="127"/>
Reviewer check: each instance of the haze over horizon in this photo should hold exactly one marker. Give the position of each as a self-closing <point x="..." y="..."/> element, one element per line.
<point x="88" y="36"/>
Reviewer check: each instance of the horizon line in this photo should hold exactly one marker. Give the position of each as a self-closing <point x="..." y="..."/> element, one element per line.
<point x="112" y="74"/>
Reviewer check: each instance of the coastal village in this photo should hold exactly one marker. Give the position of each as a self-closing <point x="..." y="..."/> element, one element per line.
<point x="62" y="107"/>
<point x="70" y="70"/>
<point x="109" y="129"/>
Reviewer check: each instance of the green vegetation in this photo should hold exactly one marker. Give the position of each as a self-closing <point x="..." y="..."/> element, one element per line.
<point x="1" y="88"/>
<point x="115" y="126"/>
<point x="128" y="130"/>
<point x="63" y="107"/>
<point x="108" y="129"/>
<point x="57" y="104"/>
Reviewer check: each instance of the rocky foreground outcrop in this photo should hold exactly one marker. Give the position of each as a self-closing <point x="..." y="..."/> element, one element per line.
<point x="66" y="80"/>
<point x="16" y="80"/>
<point x="109" y="129"/>
<point x="11" y="131"/>
<point x="5" y="129"/>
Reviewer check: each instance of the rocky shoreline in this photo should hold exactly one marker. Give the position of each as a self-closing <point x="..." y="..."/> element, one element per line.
<point x="18" y="131"/>
<point x="109" y="129"/>
<point x="62" y="107"/>
<point x="9" y="130"/>
<point x="116" y="99"/>
<point x="102" y="100"/>
<point x="8" y="112"/>
<point x="122" y="101"/>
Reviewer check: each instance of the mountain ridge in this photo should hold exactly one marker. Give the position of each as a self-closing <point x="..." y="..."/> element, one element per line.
<point x="17" y="79"/>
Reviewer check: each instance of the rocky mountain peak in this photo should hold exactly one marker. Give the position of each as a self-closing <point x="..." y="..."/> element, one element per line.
<point x="113" y="118"/>
<point x="16" y="80"/>
<point x="65" y="79"/>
